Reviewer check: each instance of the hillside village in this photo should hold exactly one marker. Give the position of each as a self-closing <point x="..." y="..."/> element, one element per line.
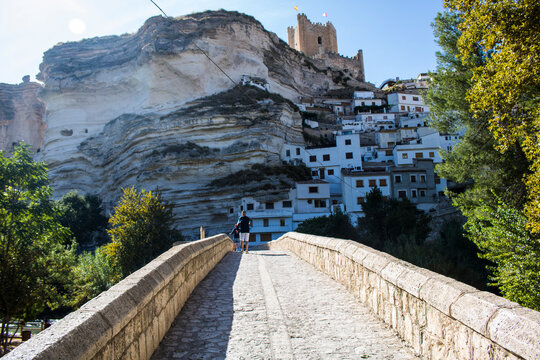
<point x="356" y="140"/>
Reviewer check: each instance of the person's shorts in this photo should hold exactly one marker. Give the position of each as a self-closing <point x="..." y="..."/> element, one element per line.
<point x="244" y="236"/>
<point x="236" y="240"/>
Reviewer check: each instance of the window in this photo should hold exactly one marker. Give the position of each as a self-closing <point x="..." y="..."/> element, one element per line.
<point x="241" y="207"/>
<point x="266" y="237"/>
<point x="287" y="203"/>
<point x="418" y="155"/>
<point x="252" y="237"/>
<point x="347" y="141"/>
<point x="348" y="155"/>
<point x="326" y="157"/>
<point x="320" y="203"/>
<point x="415" y="98"/>
<point x="281" y="222"/>
<point x="313" y="189"/>
<point x="250" y="206"/>
<point x="402" y="194"/>
<point x="418" y="109"/>
<point x="382" y="182"/>
<point x="372" y="183"/>
<point x="319" y="40"/>
<point x="397" y="179"/>
<point x="269" y="205"/>
<point x="359" y="200"/>
<point x="231" y="210"/>
<point x="313" y="158"/>
<point x="359" y="183"/>
<point x="413" y="193"/>
<point x="297" y="151"/>
<point x="404" y="156"/>
<point x="437" y="180"/>
<point x="288" y="153"/>
<point x="265" y="222"/>
<point x="422" y="178"/>
<point x="363" y="104"/>
<point x="402" y="107"/>
<point x="403" y="97"/>
<point x="413" y="178"/>
<point x="388" y="152"/>
<point x="422" y="193"/>
<point x="431" y="154"/>
<point x="330" y="171"/>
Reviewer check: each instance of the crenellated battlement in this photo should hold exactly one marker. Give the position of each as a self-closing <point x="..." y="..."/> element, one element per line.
<point x="319" y="41"/>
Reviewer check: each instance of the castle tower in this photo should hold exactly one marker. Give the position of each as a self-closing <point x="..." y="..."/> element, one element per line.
<point x="313" y="39"/>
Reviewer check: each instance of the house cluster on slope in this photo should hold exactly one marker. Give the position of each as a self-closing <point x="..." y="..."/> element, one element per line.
<point x="367" y="140"/>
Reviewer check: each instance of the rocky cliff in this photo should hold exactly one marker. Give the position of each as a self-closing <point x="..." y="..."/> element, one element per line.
<point x="151" y="110"/>
<point x="21" y="115"/>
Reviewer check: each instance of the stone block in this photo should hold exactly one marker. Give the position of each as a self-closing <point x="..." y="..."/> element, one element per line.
<point x="516" y="330"/>
<point x="393" y="270"/>
<point x="481" y="348"/>
<point x="412" y="281"/>
<point x="475" y="309"/>
<point x="142" y="346"/>
<point x="80" y="334"/>
<point x="115" y="306"/>
<point x="440" y="293"/>
<point x="376" y="261"/>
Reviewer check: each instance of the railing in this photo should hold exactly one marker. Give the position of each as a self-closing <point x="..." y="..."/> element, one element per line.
<point x="130" y="319"/>
<point x="439" y="317"/>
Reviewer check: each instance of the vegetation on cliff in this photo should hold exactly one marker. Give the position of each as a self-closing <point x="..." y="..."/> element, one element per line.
<point x="263" y="177"/>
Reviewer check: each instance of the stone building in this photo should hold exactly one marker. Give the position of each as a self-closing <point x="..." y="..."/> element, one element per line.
<point x="313" y="39"/>
<point x="319" y="41"/>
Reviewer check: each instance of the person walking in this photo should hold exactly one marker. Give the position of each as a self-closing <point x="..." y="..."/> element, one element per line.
<point x="243" y="224"/>
<point x="235" y="233"/>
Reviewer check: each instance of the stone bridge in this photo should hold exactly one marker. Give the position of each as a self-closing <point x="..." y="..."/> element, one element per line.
<point x="303" y="297"/>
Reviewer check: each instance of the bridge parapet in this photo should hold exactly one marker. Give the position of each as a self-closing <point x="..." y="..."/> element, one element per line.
<point x="130" y="319"/>
<point x="439" y="317"/>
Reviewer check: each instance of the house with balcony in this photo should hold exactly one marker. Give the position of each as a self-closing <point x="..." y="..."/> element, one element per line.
<point x="406" y="101"/>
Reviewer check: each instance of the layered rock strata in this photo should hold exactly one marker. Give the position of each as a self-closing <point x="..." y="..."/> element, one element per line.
<point x="151" y="110"/>
<point x="21" y="115"/>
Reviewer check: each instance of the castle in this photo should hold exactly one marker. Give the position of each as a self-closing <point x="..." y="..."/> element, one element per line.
<point x="319" y="42"/>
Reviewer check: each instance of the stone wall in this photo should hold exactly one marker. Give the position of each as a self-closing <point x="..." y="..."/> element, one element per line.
<point x="439" y="317"/>
<point x="129" y="320"/>
<point x="306" y="35"/>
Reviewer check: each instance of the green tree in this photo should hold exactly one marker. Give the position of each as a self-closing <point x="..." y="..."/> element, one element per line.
<point x="33" y="260"/>
<point x="335" y="225"/>
<point x="506" y="86"/>
<point x="141" y="229"/>
<point x="502" y="235"/>
<point x="83" y="215"/>
<point x="389" y="220"/>
<point x="92" y="275"/>
<point x="469" y="82"/>
<point x="474" y="161"/>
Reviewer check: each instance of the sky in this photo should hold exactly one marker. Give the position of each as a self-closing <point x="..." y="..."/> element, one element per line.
<point x="395" y="35"/>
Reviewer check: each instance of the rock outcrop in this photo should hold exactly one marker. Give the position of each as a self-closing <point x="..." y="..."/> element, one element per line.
<point x="151" y="110"/>
<point x="21" y="115"/>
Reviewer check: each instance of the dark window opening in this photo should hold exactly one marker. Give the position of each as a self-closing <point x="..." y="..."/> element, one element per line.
<point x="319" y="40"/>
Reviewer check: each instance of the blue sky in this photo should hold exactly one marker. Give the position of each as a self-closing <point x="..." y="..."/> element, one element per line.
<point x="395" y="35"/>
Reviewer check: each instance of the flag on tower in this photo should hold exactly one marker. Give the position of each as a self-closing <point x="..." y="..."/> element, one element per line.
<point x="296" y="8"/>
<point x="325" y="14"/>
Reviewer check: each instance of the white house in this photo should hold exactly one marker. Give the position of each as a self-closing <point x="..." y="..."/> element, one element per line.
<point x="312" y="199"/>
<point x="357" y="184"/>
<point x="406" y="101"/>
<point x="404" y="154"/>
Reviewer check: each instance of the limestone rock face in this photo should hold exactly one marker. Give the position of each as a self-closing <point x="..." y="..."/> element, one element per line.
<point x="151" y="110"/>
<point x="21" y="115"/>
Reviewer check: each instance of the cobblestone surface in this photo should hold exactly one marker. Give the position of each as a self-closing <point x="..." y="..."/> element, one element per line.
<point x="271" y="305"/>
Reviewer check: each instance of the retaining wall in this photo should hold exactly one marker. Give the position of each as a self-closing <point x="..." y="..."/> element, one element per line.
<point x="439" y="317"/>
<point x="129" y="320"/>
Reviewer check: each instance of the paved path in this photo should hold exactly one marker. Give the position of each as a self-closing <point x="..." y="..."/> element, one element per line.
<point x="271" y="305"/>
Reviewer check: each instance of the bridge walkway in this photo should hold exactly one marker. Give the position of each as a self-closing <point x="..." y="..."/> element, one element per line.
<point x="272" y="305"/>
